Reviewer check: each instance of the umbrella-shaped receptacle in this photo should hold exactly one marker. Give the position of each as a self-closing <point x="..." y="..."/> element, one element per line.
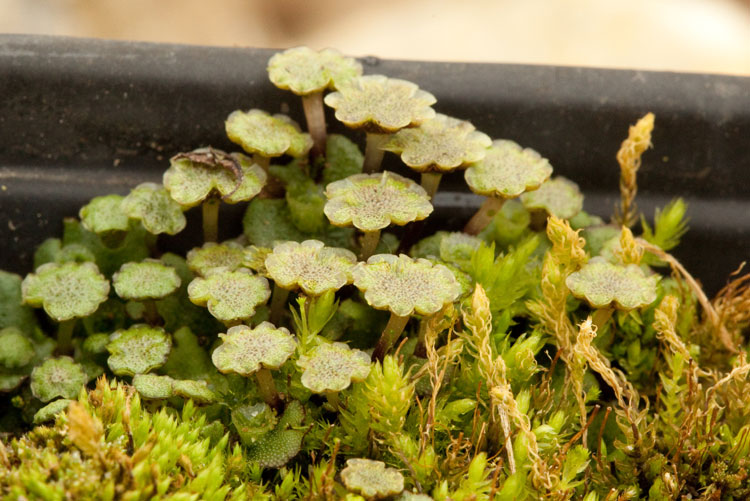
<point x="380" y="106"/>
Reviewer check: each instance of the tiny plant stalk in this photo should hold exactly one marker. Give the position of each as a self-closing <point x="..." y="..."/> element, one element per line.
<point x="114" y="239"/>
<point x="267" y="388"/>
<point x="484" y="215"/>
<point x="150" y="312"/>
<point x="65" y="336"/>
<point x="393" y="329"/>
<point x="430" y="182"/>
<point x="211" y="219"/>
<point x="369" y="243"/>
<point x="601" y="317"/>
<point x="264" y="162"/>
<point x="373" y="152"/>
<point x="278" y="303"/>
<point x="316" y="121"/>
<point x="420" y="350"/>
<point x="333" y="399"/>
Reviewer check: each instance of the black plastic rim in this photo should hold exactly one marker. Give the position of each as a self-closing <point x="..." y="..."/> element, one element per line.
<point x="80" y="118"/>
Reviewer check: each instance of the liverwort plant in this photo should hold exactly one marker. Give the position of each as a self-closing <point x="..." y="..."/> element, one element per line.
<point x="371" y="478"/>
<point x="506" y="172"/>
<point x="437" y="146"/>
<point x="66" y="292"/>
<point x="151" y="204"/>
<point x="331" y="367"/>
<point x="206" y="177"/>
<point x="403" y="286"/>
<point x="309" y="266"/>
<point x="138" y="350"/>
<point x="146" y="282"/>
<point x="228" y="255"/>
<point x="265" y="136"/>
<point x="57" y="377"/>
<point x="157" y="387"/>
<point x="371" y="202"/>
<point x="231" y="296"/>
<point x="308" y="74"/>
<point x="105" y="217"/>
<point x="380" y="106"/>
<point x="247" y="351"/>
<point x="607" y="286"/>
<point x="559" y="197"/>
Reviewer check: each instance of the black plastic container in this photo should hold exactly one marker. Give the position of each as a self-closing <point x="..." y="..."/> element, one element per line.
<point x="80" y="118"/>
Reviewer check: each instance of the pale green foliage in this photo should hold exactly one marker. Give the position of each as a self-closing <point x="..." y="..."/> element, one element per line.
<point x="403" y="285"/>
<point x="228" y="255"/>
<point x="311" y="266"/>
<point x="558" y="196"/>
<point x="441" y="144"/>
<point x="507" y="171"/>
<point x="17" y="348"/>
<point x="306" y="201"/>
<point x="57" y="377"/>
<point x="190" y="183"/>
<point x="160" y="387"/>
<point x="507" y="277"/>
<point x="230" y="295"/>
<point x="389" y="392"/>
<point x="52" y="409"/>
<point x="151" y="204"/>
<point x="475" y="485"/>
<point x="66" y="291"/>
<point x="245" y="350"/>
<point x="670" y="224"/>
<point x="343" y="159"/>
<point x="380" y="104"/>
<point x="13" y="313"/>
<point x="371" y="478"/>
<point x="602" y="283"/>
<point x="148" y="279"/>
<point x="104" y="214"/>
<point x="138" y="350"/>
<point x="333" y="367"/>
<point x="378" y="405"/>
<point x="575" y="463"/>
<point x="372" y="202"/>
<point x="304" y="71"/>
<point x="310" y="320"/>
<point x="270" y="136"/>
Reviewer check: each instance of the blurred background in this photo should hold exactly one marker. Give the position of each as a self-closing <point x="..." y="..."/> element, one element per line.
<point x="711" y="36"/>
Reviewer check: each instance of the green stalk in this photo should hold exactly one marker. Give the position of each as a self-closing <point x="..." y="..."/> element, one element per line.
<point x="316" y="121"/>
<point x="278" y="304"/>
<point x="267" y="388"/>
<point x="373" y="153"/>
<point x="392" y="331"/>
<point x="150" y="312"/>
<point x="65" y="336"/>
<point x="484" y="215"/>
<point x="369" y="244"/>
<point x="601" y="317"/>
<point x="264" y="162"/>
<point x="211" y="219"/>
<point x="430" y="182"/>
<point x="333" y="399"/>
<point x="420" y="350"/>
